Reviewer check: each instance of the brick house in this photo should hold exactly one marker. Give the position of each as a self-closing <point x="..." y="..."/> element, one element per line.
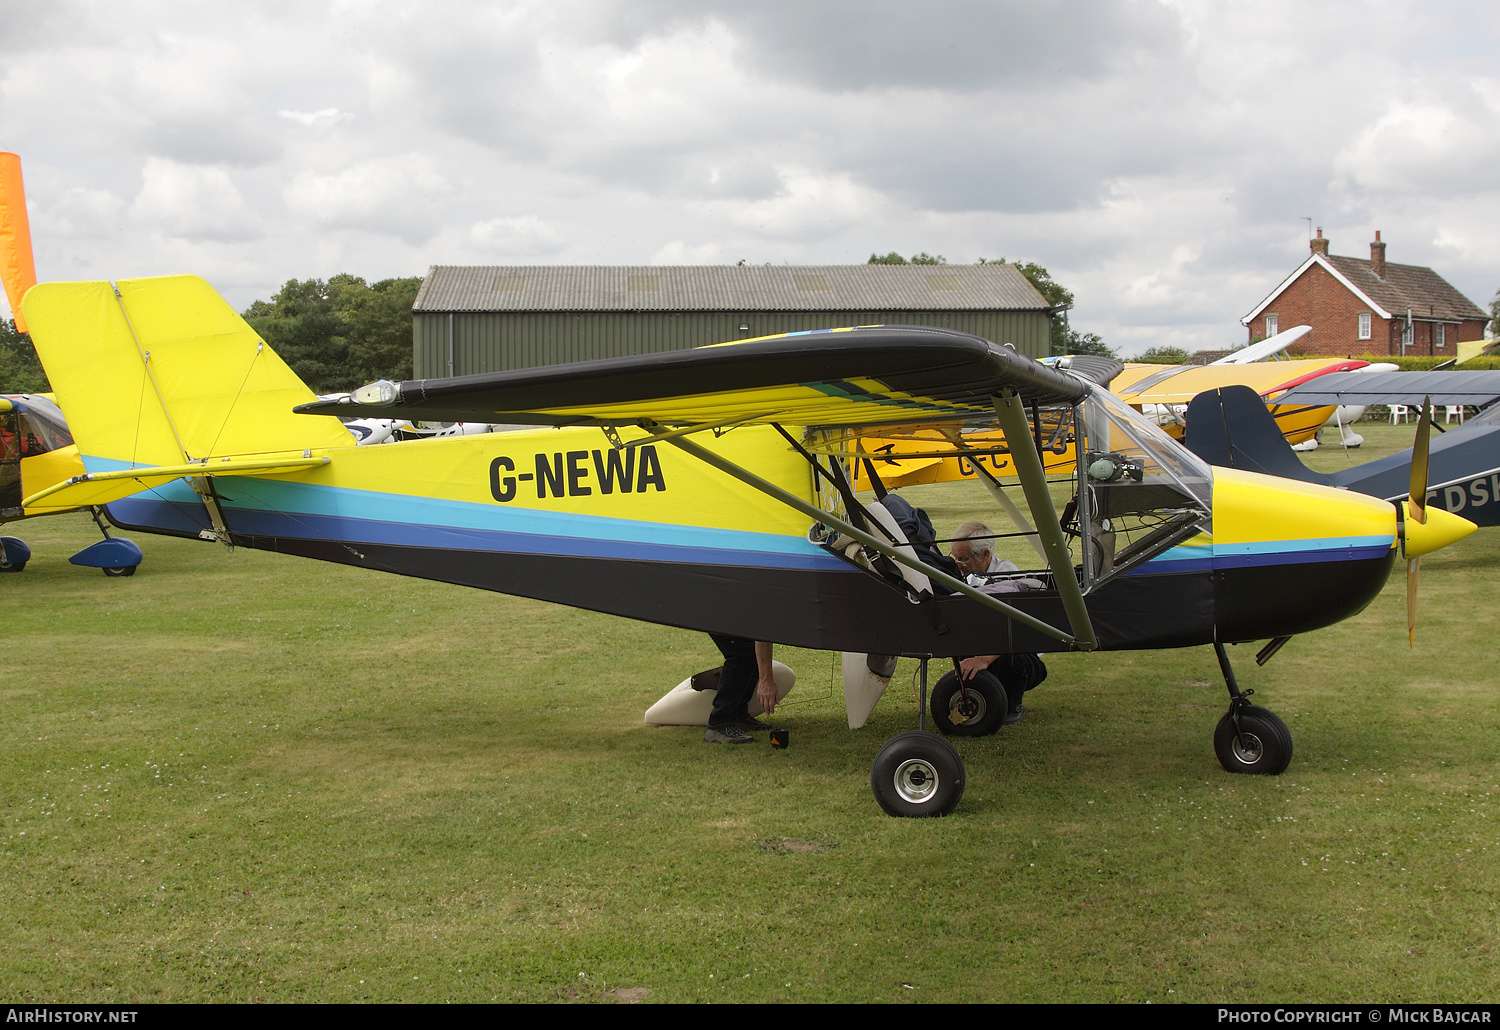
<point x="1367" y="307"/>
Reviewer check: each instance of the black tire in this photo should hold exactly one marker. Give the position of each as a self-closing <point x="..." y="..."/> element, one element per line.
<point x="975" y="711"/>
<point x="917" y="774"/>
<point x="9" y="567"/>
<point x="121" y="570"/>
<point x="1268" y="743"/>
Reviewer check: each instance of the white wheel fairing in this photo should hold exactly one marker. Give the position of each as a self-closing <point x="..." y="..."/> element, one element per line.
<point x="684" y="706"/>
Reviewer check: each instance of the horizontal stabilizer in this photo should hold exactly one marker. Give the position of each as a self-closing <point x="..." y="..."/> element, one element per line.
<point x="102" y="487"/>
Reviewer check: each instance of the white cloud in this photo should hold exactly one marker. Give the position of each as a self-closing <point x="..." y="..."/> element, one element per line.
<point x="811" y="205"/>
<point x="395" y="196"/>
<point x="326" y="116"/>
<point x="519" y="236"/>
<point x="193" y="202"/>
<point x="680" y="253"/>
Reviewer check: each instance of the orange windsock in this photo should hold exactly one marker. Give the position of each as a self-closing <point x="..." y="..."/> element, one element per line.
<point x="17" y="269"/>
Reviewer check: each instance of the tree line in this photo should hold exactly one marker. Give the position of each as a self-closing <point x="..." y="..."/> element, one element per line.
<point x="1065" y="339"/>
<point x="340" y="333"/>
<point x="335" y="334"/>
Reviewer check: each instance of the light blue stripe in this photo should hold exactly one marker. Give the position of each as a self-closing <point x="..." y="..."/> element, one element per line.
<point x="279" y="496"/>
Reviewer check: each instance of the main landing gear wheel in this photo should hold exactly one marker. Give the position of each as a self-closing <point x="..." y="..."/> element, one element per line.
<point x="121" y="570"/>
<point x="1263" y="745"/>
<point x="976" y="710"/>
<point x="917" y="774"/>
<point x="9" y="567"/>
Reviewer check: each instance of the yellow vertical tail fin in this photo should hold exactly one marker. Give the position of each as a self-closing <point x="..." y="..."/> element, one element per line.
<point x="162" y="371"/>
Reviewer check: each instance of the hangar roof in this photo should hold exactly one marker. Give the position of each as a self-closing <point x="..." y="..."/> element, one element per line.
<point x="481" y="288"/>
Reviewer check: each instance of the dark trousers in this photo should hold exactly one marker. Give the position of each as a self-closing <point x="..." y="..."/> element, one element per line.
<point x="736" y="682"/>
<point x="1018" y="673"/>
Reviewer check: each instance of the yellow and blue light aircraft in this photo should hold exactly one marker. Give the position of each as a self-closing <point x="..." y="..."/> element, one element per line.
<point x="710" y="490"/>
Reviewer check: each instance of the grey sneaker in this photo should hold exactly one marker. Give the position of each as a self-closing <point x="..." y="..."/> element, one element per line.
<point x="726" y="735"/>
<point x="751" y="725"/>
<point x="1016" y="714"/>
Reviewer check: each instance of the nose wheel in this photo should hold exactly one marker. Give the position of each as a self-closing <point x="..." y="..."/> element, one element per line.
<point x="1249" y="739"/>
<point x="917" y="774"/>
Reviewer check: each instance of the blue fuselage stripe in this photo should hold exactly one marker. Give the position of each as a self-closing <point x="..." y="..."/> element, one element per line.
<point x="273" y="508"/>
<point x="1260" y="553"/>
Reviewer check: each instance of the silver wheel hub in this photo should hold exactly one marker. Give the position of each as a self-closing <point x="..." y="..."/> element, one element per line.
<point x="916" y="780"/>
<point x="1247" y="748"/>
<point x="963" y="708"/>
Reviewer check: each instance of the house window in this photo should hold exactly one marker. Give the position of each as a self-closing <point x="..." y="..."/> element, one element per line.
<point x="1442" y="336"/>
<point x="1364" y="325"/>
<point x="1270" y="325"/>
<point x="1408" y="336"/>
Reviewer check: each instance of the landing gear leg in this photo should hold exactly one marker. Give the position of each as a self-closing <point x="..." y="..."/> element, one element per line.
<point x="1248" y="738"/>
<point x="918" y="773"/>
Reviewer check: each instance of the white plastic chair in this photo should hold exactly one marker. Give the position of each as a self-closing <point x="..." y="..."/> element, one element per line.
<point x="1399" y="413"/>
<point x="1455" y="409"/>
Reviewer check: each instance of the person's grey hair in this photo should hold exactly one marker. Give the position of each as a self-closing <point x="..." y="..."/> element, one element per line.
<point x="980" y="538"/>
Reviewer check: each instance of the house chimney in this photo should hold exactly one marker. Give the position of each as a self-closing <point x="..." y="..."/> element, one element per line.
<point x="1319" y="245"/>
<point x="1377" y="257"/>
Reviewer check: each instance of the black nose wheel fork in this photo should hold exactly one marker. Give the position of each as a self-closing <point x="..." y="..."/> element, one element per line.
<point x="1248" y="738"/>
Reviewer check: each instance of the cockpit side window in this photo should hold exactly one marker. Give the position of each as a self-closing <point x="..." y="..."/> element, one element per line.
<point x="40" y="433"/>
<point x="10" y="461"/>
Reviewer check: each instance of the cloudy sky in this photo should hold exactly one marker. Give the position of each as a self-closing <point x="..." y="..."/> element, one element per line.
<point x="1158" y="157"/>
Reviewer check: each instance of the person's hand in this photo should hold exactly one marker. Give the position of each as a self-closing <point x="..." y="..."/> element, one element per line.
<point x="969" y="666"/>
<point x="766" y="694"/>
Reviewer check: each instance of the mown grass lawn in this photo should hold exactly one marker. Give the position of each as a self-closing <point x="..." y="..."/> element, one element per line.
<point x="248" y="776"/>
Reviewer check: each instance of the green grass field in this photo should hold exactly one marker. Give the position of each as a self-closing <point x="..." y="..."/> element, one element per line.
<point x="248" y="776"/>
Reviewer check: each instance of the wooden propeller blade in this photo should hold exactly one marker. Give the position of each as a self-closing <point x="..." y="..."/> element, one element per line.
<point x="1417" y="490"/>
<point x="1412" y="567"/>
<point x="1416" y="510"/>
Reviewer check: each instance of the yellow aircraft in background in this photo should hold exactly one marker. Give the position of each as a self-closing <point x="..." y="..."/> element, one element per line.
<point x="1160" y="391"/>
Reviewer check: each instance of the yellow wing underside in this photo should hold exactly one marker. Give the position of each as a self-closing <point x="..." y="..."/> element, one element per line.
<point x="1139" y="384"/>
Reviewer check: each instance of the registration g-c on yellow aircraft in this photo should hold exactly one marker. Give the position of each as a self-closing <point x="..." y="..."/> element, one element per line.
<point x="710" y="489"/>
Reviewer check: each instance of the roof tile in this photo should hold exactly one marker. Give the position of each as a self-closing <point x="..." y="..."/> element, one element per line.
<point x="1426" y="293"/>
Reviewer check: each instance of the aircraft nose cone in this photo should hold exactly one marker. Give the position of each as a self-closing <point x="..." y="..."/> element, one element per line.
<point x="1441" y="529"/>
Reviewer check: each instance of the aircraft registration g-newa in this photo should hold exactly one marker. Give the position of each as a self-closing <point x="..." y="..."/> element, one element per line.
<point x="710" y="489"/>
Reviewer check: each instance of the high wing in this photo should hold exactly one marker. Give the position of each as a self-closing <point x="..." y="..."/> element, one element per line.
<point x="1477" y="388"/>
<point x="866" y="376"/>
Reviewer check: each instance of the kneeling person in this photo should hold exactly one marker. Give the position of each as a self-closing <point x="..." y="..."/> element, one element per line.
<point x="974" y="551"/>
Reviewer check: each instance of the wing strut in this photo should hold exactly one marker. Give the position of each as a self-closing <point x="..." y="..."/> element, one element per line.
<point x="1012" y="416"/>
<point x="884" y="547"/>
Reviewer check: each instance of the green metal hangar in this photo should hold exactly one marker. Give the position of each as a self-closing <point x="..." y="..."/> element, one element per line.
<point x="469" y="319"/>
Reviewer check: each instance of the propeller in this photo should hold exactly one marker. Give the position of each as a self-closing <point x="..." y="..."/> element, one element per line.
<point x="1416" y="512"/>
<point x="1423" y="529"/>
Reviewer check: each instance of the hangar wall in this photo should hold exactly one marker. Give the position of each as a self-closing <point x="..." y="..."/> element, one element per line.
<point x="495" y="341"/>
